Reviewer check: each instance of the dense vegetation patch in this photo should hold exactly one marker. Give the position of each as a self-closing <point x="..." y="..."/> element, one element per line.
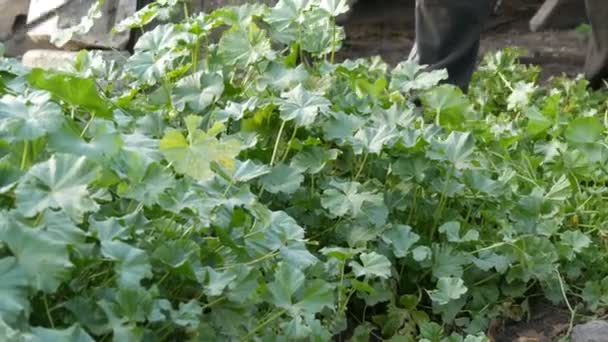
<point x="229" y="181"/>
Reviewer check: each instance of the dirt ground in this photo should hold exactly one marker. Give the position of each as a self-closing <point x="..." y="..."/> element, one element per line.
<point x="386" y="28"/>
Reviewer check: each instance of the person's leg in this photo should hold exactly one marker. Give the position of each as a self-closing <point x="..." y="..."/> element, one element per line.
<point x="596" y="66"/>
<point x="447" y="35"/>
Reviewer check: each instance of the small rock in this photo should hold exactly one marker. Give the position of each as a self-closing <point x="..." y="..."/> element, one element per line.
<point x="10" y="11"/>
<point x="63" y="60"/>
<point x="70" y="14"/>
<point x="594" y="331"/>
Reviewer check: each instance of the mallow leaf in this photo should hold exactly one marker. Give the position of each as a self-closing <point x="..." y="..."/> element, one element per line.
<point x="72" y="334"/>
<point x="61" y="182"/>
<point x="448" y="289"/>
<point x="282" y="178"/>
<point x="373" y="265"/>
<point x="44" y="260"/>
<point x="13" y="290"/>
<point x="28" y="118"/>
<point x="245" y="46"/>
<point x="334" y="7"/>
<point x="401" y="238"/>
<point x="302" y="106"/>
<point x="132" y="264"/>
<point x="198" y="91"/>
<point x="457" y="149"/>
<point x="194" y="154"/>
<point x="75" y="91"/>
<point x="584" y="130"/>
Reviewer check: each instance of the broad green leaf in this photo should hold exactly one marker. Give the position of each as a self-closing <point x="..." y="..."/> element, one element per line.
<point x="147" y="68"/>
<point x="538" y="123"/>
<point x="297" y="255"/>
<point x="9" y="175"/>
<point x="282" y="178"/>
<point x="150" y="187"/>
<point x="312" y="159"/>
<point x="41" y="258"/>
<point x="422" y="253"/>
<point x="334" y="7"/>
<point x="447" y="104"/>
<point x="193" y="155"/>
<point x="322" y="34"/>
<point x="452" y="231"/>
<point x="373" y="140"/>
<point x="372" y="265"/>
<point x="245" y="46"/>
<point x="235" y="111"/>
<point x="161" y="38"/>
<point x="72" y="334"/>
<point x="448" y="289"/>
<point x="216" y="281"/>
<point x="12" y="335"/>
<point x="188" y="314"/>
<point x="75" y="91"/>
<point x="447" y="263"/>
<point x="198" y="91"/>
<point x="68" y="140"/>
<point x="431" y="331"/>
<point x="408" y="76"/>
<point x="488" y="260"/>
<point x="132" y="263"/>
<point x="520" y="96"/>
<point x="28" y="118"/>
<point x="13" y="291"/>
<point x="176" y="253"/>
<point x="59" y="183"/>
<point x="401" y="238"/>
<point x="248" y="170"/>
<point x="316" y="295"/>
<point x="302" y="106"/>
<point x="457" y="149"/>
<point x="283" y="78"/>
<point x="577" y="240"/>
<point x="285" y="17"/>
<point x="341" y="126"/>
<point x="286" y="282"/>
<point x="584" y="130"/>
<point x="342" y="199"/>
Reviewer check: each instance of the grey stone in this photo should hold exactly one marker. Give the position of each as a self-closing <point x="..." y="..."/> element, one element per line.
<point x="559" y="14"/>
<point x="10" y="11"/>
<point x="594" y="331"/>
<point x="63" y="60"/>
<point x="100" y="36"/>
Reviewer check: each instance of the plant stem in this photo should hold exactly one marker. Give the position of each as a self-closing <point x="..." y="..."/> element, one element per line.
<point x="197" y="47"/>
<point x="340" y="290"/>
<point x="333" y="40"/>
<point x="293" y="136"/>
<point x="86" y="127"/>
<point x="441" y="204"/>
<point x="186" y="14"/>
<point x="572" y="311"/>
<point x="167" y="89"/>
<point x="276" y="143"/>
<point x="24" y="156"/>
<point x="362" y="165"/>
<point x="301" y="51"/>
<point x="48" y="312"/>
<point x="263" y="324"/>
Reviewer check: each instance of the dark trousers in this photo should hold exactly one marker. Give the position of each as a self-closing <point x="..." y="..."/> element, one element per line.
<point x="448" y="34"/>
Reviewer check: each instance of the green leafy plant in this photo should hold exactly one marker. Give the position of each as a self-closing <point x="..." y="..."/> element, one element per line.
<point x="220" y="185"/>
